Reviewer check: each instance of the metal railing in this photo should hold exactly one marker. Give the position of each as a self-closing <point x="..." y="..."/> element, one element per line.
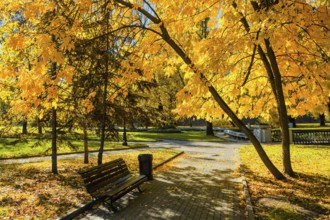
<point x="314" y="136"/>
<point x="311" y="136"/>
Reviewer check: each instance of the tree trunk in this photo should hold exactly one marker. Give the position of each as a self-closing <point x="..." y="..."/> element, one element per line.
<point x="274" y="76"/>
<point x="209" y="128"/>
<point x="322" y="119"/>
<point x="104" y="113"/>
<point x="54" y="147"/>
<point x="180" y="52"/>
<point x="39" y="126"/>
<point x="85" y="145"/>
<point x="24" y="128"/>
<point x="293" y="121"/>
<point x="124" y="133"/>
<point x="191" y="121"/>
<point x="262" y="154"/>
<point x="54" y="122"/>
<point x="283" y="116"/>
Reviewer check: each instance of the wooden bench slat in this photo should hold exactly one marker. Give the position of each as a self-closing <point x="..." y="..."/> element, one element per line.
<point x="126" y="186"/>
<point x="114" y="171"/>
<point x="98" y="169"/>
<point x="81" y="172"/>
<point x="110" y="180"/>
<point x="110" y="186"/>
<point x="107" y="181"/>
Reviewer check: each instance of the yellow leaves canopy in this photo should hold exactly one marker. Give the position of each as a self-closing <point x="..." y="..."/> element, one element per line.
<point x="297" y="30"/>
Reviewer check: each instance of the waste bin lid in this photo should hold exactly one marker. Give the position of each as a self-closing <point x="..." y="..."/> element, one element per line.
<point x="145" y="156"/>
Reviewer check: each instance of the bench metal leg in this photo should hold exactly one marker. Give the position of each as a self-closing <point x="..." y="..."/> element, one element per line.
<point x="140" y="190"/>
<point x="110" y="206"/>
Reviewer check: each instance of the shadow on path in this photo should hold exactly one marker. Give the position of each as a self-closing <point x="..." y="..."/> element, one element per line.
<point x="199" y="186"/>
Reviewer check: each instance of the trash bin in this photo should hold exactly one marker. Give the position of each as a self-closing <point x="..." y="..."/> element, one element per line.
<point x="145" y="162"/>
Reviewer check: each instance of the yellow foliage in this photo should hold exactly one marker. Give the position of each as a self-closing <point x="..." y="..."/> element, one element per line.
<point x="176" y="44"/>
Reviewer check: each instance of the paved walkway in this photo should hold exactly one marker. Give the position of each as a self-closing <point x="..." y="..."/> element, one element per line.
<point x="201" y="185"/>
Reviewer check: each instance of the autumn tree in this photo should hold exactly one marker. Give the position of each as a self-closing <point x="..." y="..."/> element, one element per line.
<point x="241" y="65"/>
<point x="38" y="37"/>
<point x="241" y="52"/>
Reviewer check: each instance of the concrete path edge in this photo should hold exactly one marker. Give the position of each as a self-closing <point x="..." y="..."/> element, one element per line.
<point x="246" y="193"/>
<point x="82" y="208"/>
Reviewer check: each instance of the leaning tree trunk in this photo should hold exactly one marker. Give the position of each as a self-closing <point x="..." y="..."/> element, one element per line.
<point x="209" y="128"/>
<point x="184" y="56"/>
<point x="223" y="105"/>
<point x="262" y="154"/>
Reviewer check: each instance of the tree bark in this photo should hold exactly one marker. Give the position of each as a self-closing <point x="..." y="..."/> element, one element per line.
<point x="322" y="119"/>
<point x="270" y="166"/>
<point x="284" y="122"/>
<point x="85" y="145"/>
<point x="191" y="121"/>
<point x="262" y="154"/>
<point x="54" y="122"/>
<point x="24" y="127"/>
<point x="124" y="133"/>
<point x="105" y="93"/>
<point x="209" y="128"/>
<point x="39" y="126"/>
<point x="274" y="76"/>
<point x="54" y="147"/>
<point x="103" y="123"/>
<point x="293" y="121"/>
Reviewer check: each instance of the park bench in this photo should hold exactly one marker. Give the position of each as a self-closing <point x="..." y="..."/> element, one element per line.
<point x="110" y="181"/>
<point x="235" y="134"/>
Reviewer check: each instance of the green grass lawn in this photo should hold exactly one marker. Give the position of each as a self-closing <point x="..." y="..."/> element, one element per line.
<point x="31" y="147"/>
<point x="184" y="136"/>
<point x="309" y="190"/>
<point x="309" y="126"/>
<point x="313" y="125"/>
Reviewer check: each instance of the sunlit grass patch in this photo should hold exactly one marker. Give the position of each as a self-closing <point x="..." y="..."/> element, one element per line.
<point x="31" y="190"/>
<point x="184" y="136"/>
<point x="313" y="125"/>
<point x="310" y="191"/>
<point x="31" y="147"/>
<point x="14" y="147"/>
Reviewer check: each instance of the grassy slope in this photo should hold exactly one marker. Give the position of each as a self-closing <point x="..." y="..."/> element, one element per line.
<point x="311" y="189"/>
<point x="30" y="190"/>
